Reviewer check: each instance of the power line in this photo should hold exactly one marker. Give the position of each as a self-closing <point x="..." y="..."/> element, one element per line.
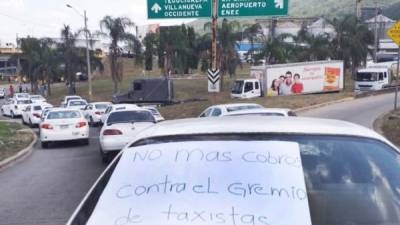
<point x="25" y="21"/>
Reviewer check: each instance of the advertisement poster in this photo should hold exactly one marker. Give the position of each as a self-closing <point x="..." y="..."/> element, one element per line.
<point x="294" y="79"/>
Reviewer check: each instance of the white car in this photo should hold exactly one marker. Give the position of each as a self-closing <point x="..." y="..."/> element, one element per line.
<point x="68" y="98"/>
<point x="263" y="112"/>
<point x="14" y="107"/>
<point x="93" y="111"/>
<point x="2" y="93"/>
<point x="157" y="115"/>
<point x="21" y="96"/>
<point x="221" y="110"/>
<point x="64" y="125"/>
<point x="112" y="108"/>
<point x="32" y="113"/>
<point x="120" y="127"/>
<point x="230" y="171"/>
<point x="37" y="99"/>
<point x="76" y="104"/>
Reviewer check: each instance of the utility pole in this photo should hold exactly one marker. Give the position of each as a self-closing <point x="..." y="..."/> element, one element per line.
<point x="376" y="33"/>
<point x="89" y="69"/>
<point x="397" y="78"/>
<point x="214" y="35"/>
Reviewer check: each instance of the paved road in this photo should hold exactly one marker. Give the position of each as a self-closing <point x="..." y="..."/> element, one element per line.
<point x="45" y="188"/>
<point x="362" y="111"/>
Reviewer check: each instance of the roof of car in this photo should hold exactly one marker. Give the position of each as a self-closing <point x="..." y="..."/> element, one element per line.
<point x="130" y="109"/>
<point x="96" y="103"/>
<point x="235" y="105"/>
<point x="257" y="124"/>
<point x="262" y="110"/>
<point x="62" y="109"/>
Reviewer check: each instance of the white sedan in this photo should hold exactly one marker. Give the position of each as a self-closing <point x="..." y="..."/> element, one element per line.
<point x="2" y="93"/>
<point x="263" y="112"/>
<point x="157" y="115"/>
<point x="76" y="104"/>
<point x="120" y="127"/>
<point x="249" y="170"/>
<point x="112" y="108"/>
<point x="37" y="98"/>
<point x="31" y="115"/>
<point x="14" y="107"/>
<point x="93" y="111"/>
<point x="64" y="125"/>
<point x="221" y="110"/>
<point x="69" y="98"/>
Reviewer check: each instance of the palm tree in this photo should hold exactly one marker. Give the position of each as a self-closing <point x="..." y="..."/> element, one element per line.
<point x="116" y="29"/>
<point x="251" y="32"/>
<point x="312" y="47"/>
<point x="69" y="54"/>
<point x="30" y="60"/>
<point x="351" y="41"/>
<point x="275" y="50"/>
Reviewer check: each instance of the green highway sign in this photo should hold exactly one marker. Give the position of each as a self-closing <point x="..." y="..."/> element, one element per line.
<point x="236" y="8"/>
<point x="173" y="9"/>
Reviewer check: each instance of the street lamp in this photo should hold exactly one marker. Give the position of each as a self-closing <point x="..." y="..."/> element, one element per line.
<point x="87" y="48"/>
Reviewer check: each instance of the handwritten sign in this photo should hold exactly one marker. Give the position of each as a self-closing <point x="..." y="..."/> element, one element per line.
<point x="213" y="182"/>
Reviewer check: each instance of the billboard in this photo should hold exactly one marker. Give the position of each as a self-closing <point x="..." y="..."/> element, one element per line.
<point x="303" y="78"/>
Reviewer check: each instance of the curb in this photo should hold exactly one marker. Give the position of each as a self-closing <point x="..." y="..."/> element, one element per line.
<point x="21" y="154"/>
<point x="378" y="122"/>
<point x="303" y="109"/>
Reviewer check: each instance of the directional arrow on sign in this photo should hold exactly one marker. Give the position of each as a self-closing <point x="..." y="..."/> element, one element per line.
<point x="279" y="4"/>
<point x="156" y="8"/>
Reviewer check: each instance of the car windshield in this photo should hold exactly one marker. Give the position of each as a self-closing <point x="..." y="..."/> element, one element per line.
<point x="348" y="180"/>
<point x="242" y="107"/>
<point x="37" y="108"/>
<point x="63" y="115"/>
<point x="77" y="103"/>
<point x="153" y="111"/>
<point x="22" y="96"/>
<point x="237" y="87"/>
<point x="72" y="98"/>
<point x="130" y="117"/>
<point x="101" y="106"/>
<point x="35" y="97"/>
<point x="364" y="76"/>
<point x="24" y="102"/>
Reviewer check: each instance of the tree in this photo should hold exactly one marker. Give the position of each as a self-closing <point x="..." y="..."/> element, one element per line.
<point x="351" y="41"/>
<point x="30" y="60"/>
<point x="69" y="54"/>
<point x="251" y="32"/>
<point x="116" y="29"/>
<point x="150" y="42"/>
<point x="312" y="47"/>
<point x="275" y="50"/>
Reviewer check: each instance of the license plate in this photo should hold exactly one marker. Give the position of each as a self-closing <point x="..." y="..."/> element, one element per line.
<point x="64" y="126"/>
<point x="75" y="133"/>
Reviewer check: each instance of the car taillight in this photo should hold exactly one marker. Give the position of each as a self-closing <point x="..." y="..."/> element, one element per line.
<point x="112" y="132"/>
<point x="36" y="115"/>
<point x="98" y="113"/>
<point x="47" y="126"/>
<point x="16" y="107"/>
<point x="80" y="124"/>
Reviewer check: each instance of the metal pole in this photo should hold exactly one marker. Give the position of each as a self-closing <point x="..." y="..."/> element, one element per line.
<point x="89" y="70"/>
<point x="397" y="87"/>
<point x="376" y="33"/>
<point x="214" y="35"/>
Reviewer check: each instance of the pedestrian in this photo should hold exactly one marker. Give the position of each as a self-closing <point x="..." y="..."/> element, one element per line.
<point x="20" y="88"/>
<point x="26" y="89"/>
<point x="11" y="90"/>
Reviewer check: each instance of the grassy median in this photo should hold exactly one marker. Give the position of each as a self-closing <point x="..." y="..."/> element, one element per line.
<point x="13" y="138"/>
<point x="391" y="126"/>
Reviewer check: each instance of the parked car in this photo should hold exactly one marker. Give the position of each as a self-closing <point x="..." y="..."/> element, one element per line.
<point x="263" y="112"/>
<point x="115" y="107"/>
<point x="221" y="110"/>
<point x="37" y="98"/>
<point x="46" y="111"/>
<point x="157" y="115"/>
<point x="13" y="107"/>
<point x="32" y="113"/>
<point x="64" y="125"/>
<point x="76" y="104"/>
<point x="68" y="98"/>
<point x="317" y="171"/>
<point x="21" y="96"/>
<point x="2" y="93"/>
<point x="93" y="111"/>
<point x="120" y="127"/>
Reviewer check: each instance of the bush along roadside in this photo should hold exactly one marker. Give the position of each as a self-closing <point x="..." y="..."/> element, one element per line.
<point x="391" y="126"/>
<point x="13" y="138"/>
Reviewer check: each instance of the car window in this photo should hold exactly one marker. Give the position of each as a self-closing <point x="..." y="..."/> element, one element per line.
<point x="260" y="114"/>
<point x="37" y="108"/>
<point x="349" y="180"/>
<point x="248" y="86"/>
<point x="63" y="115"/>
<point x="257" y="85"/>
<point x="216" y="112"/>
<point x="28" y="108"/>
<point x="242" y="107"/>
<point x="130" y="117"/>
<point x="22" y="102"/>
<point x="101" y="106"/>
<point x="291" y="113"/>
<point x="206" y="113"/>
<point x="77" y="103"/>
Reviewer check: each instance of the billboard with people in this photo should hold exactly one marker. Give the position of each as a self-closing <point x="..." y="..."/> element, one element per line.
<point x="300" y="78"/>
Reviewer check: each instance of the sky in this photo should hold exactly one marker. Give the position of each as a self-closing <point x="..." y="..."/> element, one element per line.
<point x="45" y="18"/>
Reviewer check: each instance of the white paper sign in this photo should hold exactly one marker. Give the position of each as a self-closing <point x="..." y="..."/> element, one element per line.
<point x="209" y="182"/>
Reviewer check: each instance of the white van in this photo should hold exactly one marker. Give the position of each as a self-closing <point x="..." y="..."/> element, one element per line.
<point x="373" y="78"/>
<point x="246" y="88"/>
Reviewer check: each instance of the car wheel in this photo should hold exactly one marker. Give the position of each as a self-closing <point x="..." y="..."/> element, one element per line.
<point x="12" y="115"/>
<point x="105" y="157"/>
<point x="85" y="141"/>
<point x="91" y="122"/>
<point x="45" y="145"/>
<point x="30" y="123"/>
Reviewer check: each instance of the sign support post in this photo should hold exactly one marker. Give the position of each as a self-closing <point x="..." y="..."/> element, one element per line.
<point x="394" y="34"/>
<point x="397" y="79"/>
